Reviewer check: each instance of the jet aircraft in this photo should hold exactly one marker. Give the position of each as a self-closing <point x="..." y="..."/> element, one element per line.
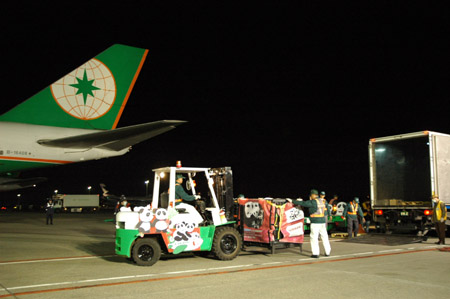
<point x="75" y="118"/>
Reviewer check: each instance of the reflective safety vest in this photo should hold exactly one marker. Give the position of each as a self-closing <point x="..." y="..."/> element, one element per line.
<point x="320" y="209"/>
<point x="366" y="208"/>
<point x="440" y="211"/>
<point x="354" y="207"/>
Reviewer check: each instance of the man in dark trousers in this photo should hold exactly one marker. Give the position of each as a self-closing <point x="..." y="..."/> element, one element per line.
<point x="351" y="212"/>
<point x="367" y="211"/>
<point x="49" y="211"/>
<point x="439" y="217"/>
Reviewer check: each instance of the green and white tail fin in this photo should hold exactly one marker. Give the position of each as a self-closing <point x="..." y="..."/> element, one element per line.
<point x="92" y="96"/>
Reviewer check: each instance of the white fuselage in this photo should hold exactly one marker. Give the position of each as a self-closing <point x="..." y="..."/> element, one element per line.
<point x="18" y="142"/>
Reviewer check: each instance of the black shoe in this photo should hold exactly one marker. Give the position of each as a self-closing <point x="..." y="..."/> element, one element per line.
<point x="437" y="243"/>
<point x="315" y="256"/>
<point x="327" y="254"/>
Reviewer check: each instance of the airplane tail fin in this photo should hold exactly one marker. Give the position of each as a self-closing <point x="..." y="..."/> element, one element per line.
<point x="92" y="96"/>
<point x="105" y="192"/>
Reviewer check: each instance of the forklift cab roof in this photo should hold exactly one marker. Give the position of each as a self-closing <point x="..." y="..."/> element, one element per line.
<point x="174" y="170"/>
<point x="181" y="169"/>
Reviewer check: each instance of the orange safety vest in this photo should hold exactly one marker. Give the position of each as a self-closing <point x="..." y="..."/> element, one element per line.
<point x="320" y="209"/>
<point x="354" y="207"/>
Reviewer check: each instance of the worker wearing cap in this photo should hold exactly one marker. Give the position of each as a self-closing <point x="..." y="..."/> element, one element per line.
<point x="317" y="208"/>
<point x="439" y="217"/>
<point x="180" y="194"/>
<point x="351" y="212"/>
<point x="194" y="200"/>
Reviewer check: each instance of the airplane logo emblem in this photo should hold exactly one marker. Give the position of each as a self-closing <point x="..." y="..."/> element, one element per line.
<point x="87" y="92"/>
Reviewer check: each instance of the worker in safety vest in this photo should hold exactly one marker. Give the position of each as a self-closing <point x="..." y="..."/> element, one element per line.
<point x="351" y="212"/>
<point x="317" y="208"/>
<point x="439" y="217"/>
<point x="367" y="211"/>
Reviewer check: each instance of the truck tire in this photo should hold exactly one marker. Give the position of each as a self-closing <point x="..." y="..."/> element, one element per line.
<point x="227" y="243"/>
<point x="146" y="252"/>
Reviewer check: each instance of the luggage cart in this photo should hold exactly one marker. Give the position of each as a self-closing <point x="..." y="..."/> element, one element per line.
<point x="271" y="223"/>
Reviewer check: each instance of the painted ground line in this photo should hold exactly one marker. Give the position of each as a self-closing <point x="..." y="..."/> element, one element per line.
<point x="181" y="272"/>
<point x="213" y="273"/>
<point x="232" y="267"/>
<point x="345" y="257"/>
<point x="363" y="253"/>
<point x="125" y="277"/>
<point x="390" y="250"/>
<point x="274" y="263"/>
<point x="80" y="281"/>
<point x="56" y="259"/>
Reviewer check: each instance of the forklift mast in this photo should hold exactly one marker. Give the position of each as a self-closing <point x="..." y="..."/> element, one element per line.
<point x="223" y="187"/>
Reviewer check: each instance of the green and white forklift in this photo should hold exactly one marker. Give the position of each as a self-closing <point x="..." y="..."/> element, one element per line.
<point x="167" y="226"/>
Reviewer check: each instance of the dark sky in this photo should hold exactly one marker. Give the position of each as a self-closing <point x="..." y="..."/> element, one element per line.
<point x="287" y="95"/>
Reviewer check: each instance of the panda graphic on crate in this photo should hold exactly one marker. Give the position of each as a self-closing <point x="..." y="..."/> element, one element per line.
<point x="254" y="214"/>
<point x="340" y="207"/>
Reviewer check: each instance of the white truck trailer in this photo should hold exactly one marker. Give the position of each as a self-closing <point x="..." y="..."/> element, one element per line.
<point x="76" y="202"/>
<point x="405" y="172"/>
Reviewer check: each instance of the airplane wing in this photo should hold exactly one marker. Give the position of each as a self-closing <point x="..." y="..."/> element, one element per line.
<point x="116" y="139"/>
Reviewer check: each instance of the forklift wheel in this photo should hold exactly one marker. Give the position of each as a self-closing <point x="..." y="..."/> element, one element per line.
<point x="227" y="243"/>
<point x="146" y="252"/>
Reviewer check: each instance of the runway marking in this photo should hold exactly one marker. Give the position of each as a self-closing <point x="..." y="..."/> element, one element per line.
<point x="272" y="263"/>
<point x="53" y="259"/>
<point x="390" y="250"/>
<point x="347" y="257"/>
<point x="79" y="281"/>
<point x="229" y="267"/>
<point x="185" y="271"/>
<point x="431" y="246"/>
<point x="362" y="253"/>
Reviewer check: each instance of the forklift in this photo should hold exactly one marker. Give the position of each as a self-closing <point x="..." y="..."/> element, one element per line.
<point x="220" y="228"/>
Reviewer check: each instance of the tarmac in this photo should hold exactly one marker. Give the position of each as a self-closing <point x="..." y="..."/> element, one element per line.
<point x="75" y="258"/>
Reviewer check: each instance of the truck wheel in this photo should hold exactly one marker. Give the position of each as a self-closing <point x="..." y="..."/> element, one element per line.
<point x="227" y="243"/>
<point x="146" y="252"/>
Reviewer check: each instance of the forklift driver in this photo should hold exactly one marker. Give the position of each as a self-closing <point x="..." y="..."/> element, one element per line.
<point x="182" y="196"/>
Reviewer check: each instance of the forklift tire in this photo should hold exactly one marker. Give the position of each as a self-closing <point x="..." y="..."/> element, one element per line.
<point x="227" y="243"/>
<point x="146" y="252"/>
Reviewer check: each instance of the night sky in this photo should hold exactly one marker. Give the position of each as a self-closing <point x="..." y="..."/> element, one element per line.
<point x="287" y="95"/>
